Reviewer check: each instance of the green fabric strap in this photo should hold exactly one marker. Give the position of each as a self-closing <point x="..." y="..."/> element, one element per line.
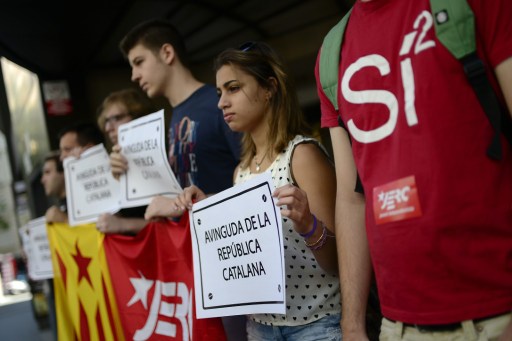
<point x="455" y="26"/>
<point x="330" y="60"/>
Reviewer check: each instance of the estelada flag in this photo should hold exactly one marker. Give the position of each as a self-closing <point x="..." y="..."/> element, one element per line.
<point x="84" y="299"/>
<point x="153" y="279"/>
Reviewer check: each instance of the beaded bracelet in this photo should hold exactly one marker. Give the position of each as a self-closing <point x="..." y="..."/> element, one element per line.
<point x="310" y="233"/>
<point x="320" y="242"/>
<point x="319" y="246"/>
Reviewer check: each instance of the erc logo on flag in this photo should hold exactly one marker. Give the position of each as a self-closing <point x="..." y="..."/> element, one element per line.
<point x="159" y="308"/>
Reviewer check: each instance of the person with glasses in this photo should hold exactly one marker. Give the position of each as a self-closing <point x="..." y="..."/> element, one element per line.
<point x="117" y="108"/>
<point x="202" y="149"/>
<point x="258" y="99"/>
<point x="121" y="107"/>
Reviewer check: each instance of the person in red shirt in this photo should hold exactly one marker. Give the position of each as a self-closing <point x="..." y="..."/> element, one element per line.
<point x="435" y="219"/>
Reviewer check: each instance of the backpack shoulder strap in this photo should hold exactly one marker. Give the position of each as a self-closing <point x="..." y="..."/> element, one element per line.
<point x="330" y="60"/>
<point x="455" y="26"/>
<point x="454" y="23"/>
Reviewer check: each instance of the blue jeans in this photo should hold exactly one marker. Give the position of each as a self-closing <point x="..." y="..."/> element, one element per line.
<point x="325" y="329"/>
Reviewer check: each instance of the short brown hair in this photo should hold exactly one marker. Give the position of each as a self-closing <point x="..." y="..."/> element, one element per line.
<point x="136" y="103"/>
<point x="153" y="34"/>
<point x="55" y="157"/>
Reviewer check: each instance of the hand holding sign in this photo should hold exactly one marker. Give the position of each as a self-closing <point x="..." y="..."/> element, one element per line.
<point x="118" y="163"/>
<point x="295" y="206"/>
<point x="188" y="197"/>
<point x="163" y="207"/>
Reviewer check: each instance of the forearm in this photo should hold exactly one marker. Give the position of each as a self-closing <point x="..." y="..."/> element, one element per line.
<point x="315" y="175"/>
<point x="132" y="225"/>
<point x="354" y="263"/>
<point x="353" y="252"/>
<point x="504" y="75"/>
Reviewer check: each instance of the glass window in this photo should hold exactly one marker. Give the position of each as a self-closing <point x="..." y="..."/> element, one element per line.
<point x="30" y="137"/>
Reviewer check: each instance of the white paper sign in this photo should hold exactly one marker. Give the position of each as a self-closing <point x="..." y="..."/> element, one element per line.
<point x="149" y="174"/>
<point x="90" y="187"/>
<point x="238" y="251"/>
<point x="39" y="256"/>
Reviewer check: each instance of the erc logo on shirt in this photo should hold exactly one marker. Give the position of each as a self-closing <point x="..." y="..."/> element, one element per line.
<point x="396" y="200"/>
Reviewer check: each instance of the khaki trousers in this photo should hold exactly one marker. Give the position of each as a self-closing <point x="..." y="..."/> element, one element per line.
<point x="485" y="330"/>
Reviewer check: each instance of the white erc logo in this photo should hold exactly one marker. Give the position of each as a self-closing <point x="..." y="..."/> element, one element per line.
<point x="391" y="198"/>
<point x="182" y="311"/>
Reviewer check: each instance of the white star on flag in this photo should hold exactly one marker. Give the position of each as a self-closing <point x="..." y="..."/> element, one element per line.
<point x="141" y="286"/>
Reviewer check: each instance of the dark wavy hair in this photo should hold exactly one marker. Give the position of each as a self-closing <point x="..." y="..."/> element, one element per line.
<point x="260" y="61"/>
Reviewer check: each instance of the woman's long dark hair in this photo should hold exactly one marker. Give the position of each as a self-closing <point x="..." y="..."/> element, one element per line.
<point x="286" y="121"/>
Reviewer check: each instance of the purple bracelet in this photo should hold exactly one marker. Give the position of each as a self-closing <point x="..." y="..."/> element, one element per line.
<point x="310" y="233"/>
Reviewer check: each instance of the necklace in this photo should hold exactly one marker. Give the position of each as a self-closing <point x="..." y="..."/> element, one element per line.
<point x="258" y="164"/>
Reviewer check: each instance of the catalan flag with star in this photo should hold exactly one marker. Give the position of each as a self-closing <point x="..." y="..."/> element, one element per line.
<point x="84" y="298"/>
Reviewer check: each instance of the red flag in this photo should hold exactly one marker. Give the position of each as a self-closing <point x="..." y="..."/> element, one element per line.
<point x="153" y="282"/>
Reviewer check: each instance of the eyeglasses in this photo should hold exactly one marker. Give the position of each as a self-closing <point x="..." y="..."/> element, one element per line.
<point x="247" y="46"/>
<point x="115" y="118"/>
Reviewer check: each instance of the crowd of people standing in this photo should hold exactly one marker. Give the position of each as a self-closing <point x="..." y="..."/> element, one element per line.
<point x="409" y="204"/>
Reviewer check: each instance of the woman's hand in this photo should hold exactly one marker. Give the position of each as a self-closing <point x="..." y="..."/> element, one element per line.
<point x="188" y="197"/>
<point x="55" y="215"/>
<point x="297" y="207"/>
<point x="162" y="207"/>
<point x="118" y="163"/>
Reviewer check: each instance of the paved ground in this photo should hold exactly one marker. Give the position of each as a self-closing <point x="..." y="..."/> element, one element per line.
<point x="17" y="322"/>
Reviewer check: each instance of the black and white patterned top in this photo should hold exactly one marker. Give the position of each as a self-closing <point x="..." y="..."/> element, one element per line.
<point x="311" y="293"/>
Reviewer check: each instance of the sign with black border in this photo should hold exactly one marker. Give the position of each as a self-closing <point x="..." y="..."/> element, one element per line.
<point x="238" y="251"/>
<point x="149" y="173"/>
<point x="90" y="187"/>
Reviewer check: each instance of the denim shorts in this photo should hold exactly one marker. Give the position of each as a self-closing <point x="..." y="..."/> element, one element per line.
<point x="325" y="329"/>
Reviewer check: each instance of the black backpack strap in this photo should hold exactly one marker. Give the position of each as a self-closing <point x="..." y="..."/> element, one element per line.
<point x="454" y="23"/>
<point x="477" y="77"/>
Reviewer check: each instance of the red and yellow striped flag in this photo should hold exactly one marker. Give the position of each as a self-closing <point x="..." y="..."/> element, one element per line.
<point x="84" y="298"/>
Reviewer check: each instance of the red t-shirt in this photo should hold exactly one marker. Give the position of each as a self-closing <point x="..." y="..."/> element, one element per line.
<point x="438" y="210"/>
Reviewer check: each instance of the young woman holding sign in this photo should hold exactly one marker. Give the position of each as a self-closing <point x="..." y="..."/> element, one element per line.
<point x="257" y="98"/>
